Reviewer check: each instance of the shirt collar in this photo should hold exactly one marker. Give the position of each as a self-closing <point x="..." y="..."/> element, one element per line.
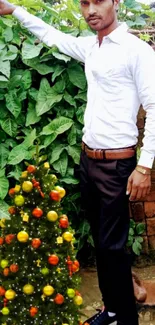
<point x="118" y="34"/>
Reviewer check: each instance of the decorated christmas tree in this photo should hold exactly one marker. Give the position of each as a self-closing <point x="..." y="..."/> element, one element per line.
<point x="38" y="266"/>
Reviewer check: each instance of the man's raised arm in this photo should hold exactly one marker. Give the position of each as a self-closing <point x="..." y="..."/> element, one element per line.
<point x="67" y="44"/>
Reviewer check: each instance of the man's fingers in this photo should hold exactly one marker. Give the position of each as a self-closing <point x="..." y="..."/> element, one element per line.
<point x="129" y="185"/>
<point x="133" y="194"/>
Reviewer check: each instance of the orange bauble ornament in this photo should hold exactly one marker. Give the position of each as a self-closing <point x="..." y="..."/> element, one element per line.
<point x="53" y="259"/>
<point x="12" y="192"/>
<point x="1" y="240"/>
<point x="55" y="195"/>
<point x="2" y="291"/>
<point x="63" y="222"/>
<point x="6" y="271"/>
<point x="36" y="242"/>
<point x="37" y="213"/>
<point x="31" y="169"/>
<point x="9" y="238"/>
<point x="59" y="299"/>
<point x="33" y="311"/>
<point x="14" y="268"/>
<point x="12" y="210"/>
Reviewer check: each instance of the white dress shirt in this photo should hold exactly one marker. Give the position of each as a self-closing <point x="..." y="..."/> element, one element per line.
<point x="120" y="75"/>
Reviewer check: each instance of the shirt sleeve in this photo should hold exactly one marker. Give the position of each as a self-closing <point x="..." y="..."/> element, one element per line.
<point x="67" y="44"/>
<point x="143" y="69"/>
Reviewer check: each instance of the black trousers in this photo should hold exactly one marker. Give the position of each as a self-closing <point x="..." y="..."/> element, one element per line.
<point x="103" y="192"/>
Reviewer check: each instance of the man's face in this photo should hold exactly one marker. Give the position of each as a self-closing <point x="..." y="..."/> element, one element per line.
<point x="99" y="14"/>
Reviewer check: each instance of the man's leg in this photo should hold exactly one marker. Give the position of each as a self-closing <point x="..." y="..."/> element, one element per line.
<point x="103" y="188"/>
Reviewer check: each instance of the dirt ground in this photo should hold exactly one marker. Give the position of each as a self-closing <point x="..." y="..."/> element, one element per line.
<point x="92" y="297"/>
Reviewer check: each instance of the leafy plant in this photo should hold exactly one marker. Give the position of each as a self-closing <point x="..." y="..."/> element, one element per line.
<point x="135" y="239"/>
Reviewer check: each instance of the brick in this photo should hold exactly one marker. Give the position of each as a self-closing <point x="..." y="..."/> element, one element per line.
<point x="138" y="211"/>
<point x="149" y="198"/>
<point x="153" y="175"/>
<point x="140" y="137"/>
<point x="151" y="241"/>
<point x="145" y="246"/>
<point x="150" y="226"/>
<point x="140" y="123"/>
<point x="149" y="208"/>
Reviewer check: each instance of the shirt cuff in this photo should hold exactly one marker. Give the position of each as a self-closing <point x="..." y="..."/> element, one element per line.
<point x="146" y="159"/>
<point x="19" y="13"/>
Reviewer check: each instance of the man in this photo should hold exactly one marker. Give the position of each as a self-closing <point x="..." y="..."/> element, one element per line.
<point x="120" y="71"/>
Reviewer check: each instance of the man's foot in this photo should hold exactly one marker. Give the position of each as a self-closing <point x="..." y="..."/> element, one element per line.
<point x="101" y="318"/>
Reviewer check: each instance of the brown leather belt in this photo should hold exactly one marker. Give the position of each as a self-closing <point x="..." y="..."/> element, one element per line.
<point x="109" y="153"/>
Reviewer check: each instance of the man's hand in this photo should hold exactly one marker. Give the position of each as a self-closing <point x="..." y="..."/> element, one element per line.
<point x="138" y="186"/>
<point x="6" y="8"/>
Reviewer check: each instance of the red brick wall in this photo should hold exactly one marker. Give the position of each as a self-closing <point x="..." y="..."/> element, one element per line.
<point x="144" y="210"/>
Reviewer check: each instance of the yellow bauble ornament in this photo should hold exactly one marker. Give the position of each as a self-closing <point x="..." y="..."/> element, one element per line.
<point x="52" y="216"/>
<point x="46" y="165"/>
<point x="48" y="290"/>
<point x="27" y="186"/>
<point x="19" y="200"/>
<point x="28" y="289"/>
<point x="10" y="294"/>
<point x="4" y="263"/>
<point x="5" y="311"/>
<point x="17" y="188"/>
<point x="23" y="236"/>
<point x="68" y="236"/>
<point x="78" y="300"/>
<point x="24" y="174"/>
<point x="61" y="191"/>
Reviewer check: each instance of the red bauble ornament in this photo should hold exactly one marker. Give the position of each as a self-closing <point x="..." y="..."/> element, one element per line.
<point x="6" y="271"/>
<point x="12" y="192"/>
<point x="2" y="291"/>
<point x="31" y="169"/>
<point x="36" y="242"/>
<point x="59" y="299"/>
<point x="53" y="259"/>
<point x="37" y="213"/>
<point x="54" y="195"/>
<point x="9" y="238"/>
<point x="14" y="268"/>
<point x="12" y="210"/>
<point x="1" y="240"/>
<point x="33" y="311"/>
<point x="63" y="222"/>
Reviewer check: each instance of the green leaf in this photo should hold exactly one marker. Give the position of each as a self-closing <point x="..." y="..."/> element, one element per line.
<point x="49" y="139"/>
<point x="131" y="232"/>
<point x="81" y="95"/>
<point x="139" y="239"/>
<point x="59" y="86"/>
<point x="61" y="164"/>
<point x="11" y="54"/>
<point x="13" y="103"/>
<point x="5" y="68"/>
<point x="72" y="135"/>
<point x="33" y="93"/>
<point x="80" y="114"/>
<point x="17" y="154"/>
<point x="16" y="173"/>
<point x="70" y="180"/>
<point x="9" y="125"/>
<point x="4" y="186"/>
<point x="30" y="51"/>
<point x="61" y="56"/>
<point x="42" y="68"/>
<point x="26" y="79"/>
<point x="140" y="228"/>
<point x="31" y="117"/>
<point x="74" y="152"/>
<point x="76" y="76"/>
<point x="29" y="139"/>
<point x="57" y="71"/>
<point x="2" y="44"/>
<point x="136" y="247"/>
<point x="69" y="99"/>
<point x="56" y="152"/>
<point x="4" y="210"/>
<point x="47" y="97"/>
<point x="4" y="153"/>
<point x="58" y="126"/>
<point x="8" y="34"/>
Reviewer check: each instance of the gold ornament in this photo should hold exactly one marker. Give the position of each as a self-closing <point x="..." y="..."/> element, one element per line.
<point x="59" y="240"/>
<point x="10" y="294"/>
<point x="78" y="300"/>
<point x="68" y="236"/>
<point x="46" y="165"/>
<point x="24" y="174"/>
<point x="38" y="263"/>
<point x="58" y="270"/>
<point x="2" y="223"/>
<point x="17" y="188"/>
<point x="43" y="297"/>
<point x="25" y="217"/>
<point x="48" y="290"/>
<point x="28" y="289"/>
<point x="22" y="236"/>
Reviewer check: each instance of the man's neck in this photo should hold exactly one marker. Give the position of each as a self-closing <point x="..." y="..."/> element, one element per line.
<point x="107" y="31"/>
